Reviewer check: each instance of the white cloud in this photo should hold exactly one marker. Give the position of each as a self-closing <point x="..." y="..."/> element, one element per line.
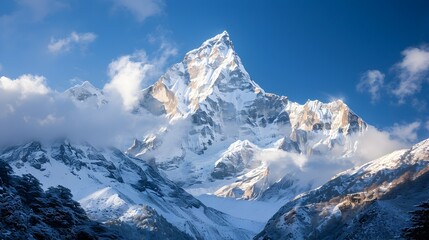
<point x="416" y="60"/>
<point x="376" y="143"/>
<point x="30" y="110"/>
<point x="141" y="9"/>
<point x="24" y="86"/>
<point x="127" y="75"/>
<point x="406" y="133"/>
<point x="74" y="39"/>
<point x="413" y="71"/>
<point x="131" y="73"/>
<point x="316" y="169"/>
<point x="372" y="82"/>
<point x="334" y="98"/>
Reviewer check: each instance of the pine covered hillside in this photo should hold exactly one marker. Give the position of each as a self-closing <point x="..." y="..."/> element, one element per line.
<point x="28" y="212"/>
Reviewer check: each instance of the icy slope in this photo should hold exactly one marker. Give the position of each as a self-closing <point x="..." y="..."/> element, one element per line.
<point x="362" y="203"/>
<point x="114" y="188"/>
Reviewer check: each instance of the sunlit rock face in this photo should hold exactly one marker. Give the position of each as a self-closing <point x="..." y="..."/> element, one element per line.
<point x="211" y="102"/>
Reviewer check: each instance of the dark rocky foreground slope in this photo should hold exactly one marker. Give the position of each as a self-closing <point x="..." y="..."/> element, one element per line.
<point x="28" y="212"/>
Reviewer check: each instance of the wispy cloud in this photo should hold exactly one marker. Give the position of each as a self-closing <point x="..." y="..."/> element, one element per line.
<point x="413" y="72"/>
<point x="32" y="10"/>
<point x="409" y="76"/>
<point x="419" y="104"/>
<point x="141" y="9"/>
<point x="73" y="40"/>
<point x="39" y="9"/>
<point x="407" y="133"/>
<point x="372" y="82"/>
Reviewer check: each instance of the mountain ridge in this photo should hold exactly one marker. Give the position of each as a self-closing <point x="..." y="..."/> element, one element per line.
<point x="113" y="187"/>
<point x="211" y="102"/>
<point x="212" y="99"/>
<point x="356" y="203"/>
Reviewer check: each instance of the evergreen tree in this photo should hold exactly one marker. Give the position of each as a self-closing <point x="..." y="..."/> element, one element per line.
<point x="420" y="228"/>
<point x="5" y="171"/>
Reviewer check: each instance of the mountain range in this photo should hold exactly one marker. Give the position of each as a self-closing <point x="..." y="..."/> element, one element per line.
<point x="224" y="137"/>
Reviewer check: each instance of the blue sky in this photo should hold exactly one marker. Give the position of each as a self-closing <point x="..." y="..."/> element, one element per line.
<point x="372" y="54"/>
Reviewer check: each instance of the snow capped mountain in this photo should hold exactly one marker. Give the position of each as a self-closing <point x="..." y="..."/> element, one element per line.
<point x="214" y="106"/>
<point x="86" y="92"/>
<point x="221" y="138"/>
<point x="213" y="70"/>
<point x="361" y="203"/>
<point x="124" y="192"/>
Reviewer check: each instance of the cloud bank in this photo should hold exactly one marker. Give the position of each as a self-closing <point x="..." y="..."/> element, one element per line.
<point x="313" y="170"/>
<point x="30" y="110"/>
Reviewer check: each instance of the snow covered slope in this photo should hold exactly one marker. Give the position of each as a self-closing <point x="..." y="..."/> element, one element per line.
<point x="118" y="189"/>
<point x="367" y="202"/>
<point x="214" y="107"/>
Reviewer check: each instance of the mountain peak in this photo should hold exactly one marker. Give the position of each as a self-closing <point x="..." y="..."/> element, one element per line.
<point x="82" y="92"/>
<point x="87" y="86"/>
<point x="218" y="39"/>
